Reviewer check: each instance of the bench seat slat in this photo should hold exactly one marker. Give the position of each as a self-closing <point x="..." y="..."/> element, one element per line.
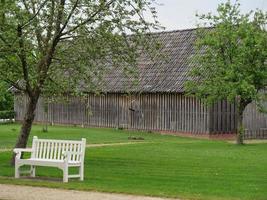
<point x="44" y="151"/>
<point x="40" y="150"/>
<point x="56" y="149"/>
<point x="51" y="150"/>
<point x="59" y="150"/>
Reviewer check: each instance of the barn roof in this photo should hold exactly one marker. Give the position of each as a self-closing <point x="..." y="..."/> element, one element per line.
<point x="163" y="75"/>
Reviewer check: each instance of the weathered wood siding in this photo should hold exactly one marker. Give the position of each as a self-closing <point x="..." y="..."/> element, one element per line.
<point x="160" y="112"/>
<point x="223" y="118"/>
<point x="255" y="122"/>
<point x="165" y="112"/>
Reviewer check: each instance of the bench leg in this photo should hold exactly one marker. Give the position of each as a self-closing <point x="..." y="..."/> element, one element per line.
<point x="33" y="171"/>
<point x="17" y="171"/>
<point x="65" y="174"/>
<point x="81" y="171"/>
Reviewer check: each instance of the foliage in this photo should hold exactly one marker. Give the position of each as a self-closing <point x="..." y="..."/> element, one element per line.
<point x="6" y="98"/>
<point x="54" y="47"/>
<point x="230" y="61"/>
<point x="7" y="114"/>
<point x="162" y="165"/>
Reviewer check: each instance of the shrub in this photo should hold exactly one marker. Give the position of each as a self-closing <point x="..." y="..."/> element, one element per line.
<point x="6" y="97"/>
<point x="7" y="114"/>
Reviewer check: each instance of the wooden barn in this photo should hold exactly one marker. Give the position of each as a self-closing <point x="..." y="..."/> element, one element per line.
<point x="157" y="103"/>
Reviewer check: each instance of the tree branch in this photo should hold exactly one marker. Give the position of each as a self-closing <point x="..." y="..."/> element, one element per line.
<point x="14" y="84"/>
<point x="22" y="57"/>
<point x="50" y="24"/>
<point x="69" y="16"/>
<point x="59" y="21"/>
<point x="89" y="19"/>
<point x="34" y="14"/>
<point x="45" y="62"/>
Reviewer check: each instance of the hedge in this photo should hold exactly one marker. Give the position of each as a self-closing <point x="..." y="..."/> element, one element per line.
<point x="7" y="114"/>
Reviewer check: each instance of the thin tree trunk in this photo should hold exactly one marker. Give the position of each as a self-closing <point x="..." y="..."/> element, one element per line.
<point x="242" y="104"/>
<point x="45" y="125"/>
<point x="26" y="125"/>
<point x="240" y="129"/>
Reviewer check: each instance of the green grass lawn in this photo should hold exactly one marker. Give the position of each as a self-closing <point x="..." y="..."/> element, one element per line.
<point x="168" y="166"/>
<point x="8" y="134"/>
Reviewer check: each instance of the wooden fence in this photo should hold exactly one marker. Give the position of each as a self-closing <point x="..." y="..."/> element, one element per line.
<point x="223" y="118"/>
<point x="166" y="112"/>
<point x="255" y="123"/>
<point x="157" y="112"/>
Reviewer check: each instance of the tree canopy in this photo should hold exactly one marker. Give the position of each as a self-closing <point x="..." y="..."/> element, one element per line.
<point x="41" y="40"/>
<point x="55" y="46"/>
<point x="231" y="59"/>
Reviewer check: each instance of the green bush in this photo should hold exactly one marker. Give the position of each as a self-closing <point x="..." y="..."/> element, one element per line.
<point x="7" y="114"/>
<point x="6" y="97"/>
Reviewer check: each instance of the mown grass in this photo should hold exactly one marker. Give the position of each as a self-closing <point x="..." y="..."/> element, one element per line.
<point x="168" y="166"/>
<point x="9" y="133"/>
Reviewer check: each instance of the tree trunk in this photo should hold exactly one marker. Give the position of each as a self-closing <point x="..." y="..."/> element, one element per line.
<point x="45" y="125"/>
<point x="26" y="125"/>
<point x="240" y="127"/>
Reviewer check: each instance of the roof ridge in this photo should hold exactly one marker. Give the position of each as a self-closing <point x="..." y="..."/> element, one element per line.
<point x="178" y="30"/>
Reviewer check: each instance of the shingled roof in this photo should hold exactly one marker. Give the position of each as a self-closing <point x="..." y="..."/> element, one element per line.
<point x="158" y="76"/>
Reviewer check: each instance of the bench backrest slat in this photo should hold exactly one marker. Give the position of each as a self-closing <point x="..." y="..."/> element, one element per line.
<point x="53" y="149"/>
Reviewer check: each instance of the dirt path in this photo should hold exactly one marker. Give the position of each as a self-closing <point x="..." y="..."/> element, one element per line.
<point x="5" y="149"/>
<point x="115" y="144"/>
<point x="15" y="192"/>
<point x="98" y="145"/>
<point x="252" y="141"/>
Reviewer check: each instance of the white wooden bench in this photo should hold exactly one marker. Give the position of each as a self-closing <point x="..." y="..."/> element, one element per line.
<point x="53" y="153"/>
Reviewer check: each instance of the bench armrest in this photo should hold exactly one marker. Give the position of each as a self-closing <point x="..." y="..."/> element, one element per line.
<point x="18" y="151"/>
<point x="67" y="154"/>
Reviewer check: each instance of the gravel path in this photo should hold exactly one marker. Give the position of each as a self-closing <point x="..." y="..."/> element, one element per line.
<point x="15" y="192"/>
